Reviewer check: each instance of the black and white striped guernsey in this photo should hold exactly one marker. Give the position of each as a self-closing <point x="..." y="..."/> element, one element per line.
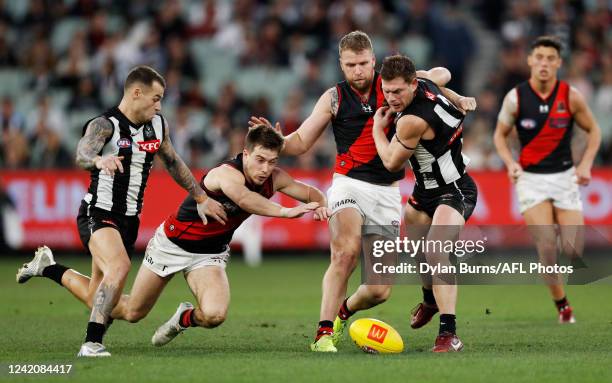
<point x="123" y="193"/>
<point x="439" y="161"/>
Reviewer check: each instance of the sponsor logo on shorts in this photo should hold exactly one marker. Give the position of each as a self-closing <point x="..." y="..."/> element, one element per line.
<point x="124" y="142"/>
<point x="151" y="262"/>
<point x="377" y="333"/>
<point x="171" y="227"/>
<point x="344" y="202"/>
<point x="395" y="223"/>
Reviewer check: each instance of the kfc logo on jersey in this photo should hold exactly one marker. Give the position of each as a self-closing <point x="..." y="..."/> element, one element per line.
<point x="528" y="123"/>
<point x="124" y="142"/>
<point x="151" y="146"/>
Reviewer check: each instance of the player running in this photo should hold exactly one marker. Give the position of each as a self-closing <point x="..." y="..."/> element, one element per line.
<point x="363" y="191"/>
<point x="543" y="110"/>
<point x="428" y="125"/>
<point x="244" y="185"/>
<point x="118" y="149"/>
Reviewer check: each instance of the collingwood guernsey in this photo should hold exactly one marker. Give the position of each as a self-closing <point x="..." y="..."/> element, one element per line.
<point x="123" y="193"/>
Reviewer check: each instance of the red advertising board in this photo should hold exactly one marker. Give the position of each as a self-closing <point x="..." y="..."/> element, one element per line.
<point x="48" y="201"/>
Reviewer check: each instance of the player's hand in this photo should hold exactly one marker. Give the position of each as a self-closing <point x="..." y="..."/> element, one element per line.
<point x="583" y="175"/>
<point x="514" y="172"/>
<point x="210" y="207"/>
<point x="322" y="213"/>
<point x="466" y="104"/>
<point x="382" y="117"/>
<point x="298" y="211"/>
<point x="255" y="121"/>
<point x="109" y="164"/>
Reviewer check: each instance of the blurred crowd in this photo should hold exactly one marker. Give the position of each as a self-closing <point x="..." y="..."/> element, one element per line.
<point x="63" y="62"/>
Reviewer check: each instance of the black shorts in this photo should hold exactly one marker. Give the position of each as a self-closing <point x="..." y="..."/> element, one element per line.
<point x="461" y="195"/>
<point x="91" y="219"/>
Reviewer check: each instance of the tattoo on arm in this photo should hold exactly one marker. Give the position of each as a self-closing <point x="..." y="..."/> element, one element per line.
<point x="92" y="142"/>
<point x="333" y="92"/>
<point x="103" y="303"/>
<point x="177" y="168"/>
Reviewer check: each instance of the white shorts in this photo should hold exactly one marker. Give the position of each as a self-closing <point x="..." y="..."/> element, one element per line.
<point x="559" y="188"/>
<point x="379" y="205"/>
<point x="165" y="258"/>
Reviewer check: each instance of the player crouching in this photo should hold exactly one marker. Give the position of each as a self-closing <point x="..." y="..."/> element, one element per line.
<point x="182" y="242"/>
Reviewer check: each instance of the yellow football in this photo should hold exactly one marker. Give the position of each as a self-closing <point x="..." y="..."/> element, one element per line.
<point x="375" y="336"/>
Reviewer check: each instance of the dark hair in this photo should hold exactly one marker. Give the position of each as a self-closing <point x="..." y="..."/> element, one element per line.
<point x="355" y="41"/>
<point x="144" y="74"/>
<point x="547" y="41"/>
<point x="264" y="136"/>
<point x="398" y="66"/>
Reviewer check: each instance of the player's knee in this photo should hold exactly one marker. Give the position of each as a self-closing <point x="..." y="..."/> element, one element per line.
<point x="213" y="318"/>
<point x="135" y="315"/>
<point x="379" y="294"/>
<point x="345" y="256"/>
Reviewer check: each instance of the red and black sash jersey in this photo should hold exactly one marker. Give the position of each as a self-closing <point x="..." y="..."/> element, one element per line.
<point x="544" y="129"/>
<point x="186" y="230"/>
<point x="439" y="161"/>
<point x="352" y="126"/>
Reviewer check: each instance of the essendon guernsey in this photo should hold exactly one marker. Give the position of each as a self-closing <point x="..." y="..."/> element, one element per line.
<point x="186" y="230"/>
<point x="352" y="126"/>
<point x="544" y="128"/>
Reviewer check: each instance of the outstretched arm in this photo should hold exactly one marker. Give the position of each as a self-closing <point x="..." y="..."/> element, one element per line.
<point x="232" y="183"/>
<point x="585" y="120"/>
<point x="409" y="130"/>
<point x="306" y="135"/>
<point x="284" y="183"/>
<point x="92" y="142"/>
<point x="182" y="175"/>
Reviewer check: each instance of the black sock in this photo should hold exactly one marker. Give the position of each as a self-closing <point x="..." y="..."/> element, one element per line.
<point x="447" y="323"/>
<point x="428" y="296"/>
<point x="562" y="303"/>
<point x="95" y="332"/>
<point x="55" y="272"/>
<point x="192" y="319"/>
<point x="326" y="327"/>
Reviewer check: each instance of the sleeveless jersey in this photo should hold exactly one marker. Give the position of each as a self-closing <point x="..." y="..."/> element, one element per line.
<point x="123" y="193"/>
<point x="544" y="127"/>
<point x="439" y="161"/>
<point x="352" y="126"/>
<point x="186" y="230"/>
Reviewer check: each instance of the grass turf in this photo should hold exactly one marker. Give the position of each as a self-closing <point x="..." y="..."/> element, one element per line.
<point x="510" y="333"/>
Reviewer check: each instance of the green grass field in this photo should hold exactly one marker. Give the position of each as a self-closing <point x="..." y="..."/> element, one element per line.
<point x="272" y="318"/>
